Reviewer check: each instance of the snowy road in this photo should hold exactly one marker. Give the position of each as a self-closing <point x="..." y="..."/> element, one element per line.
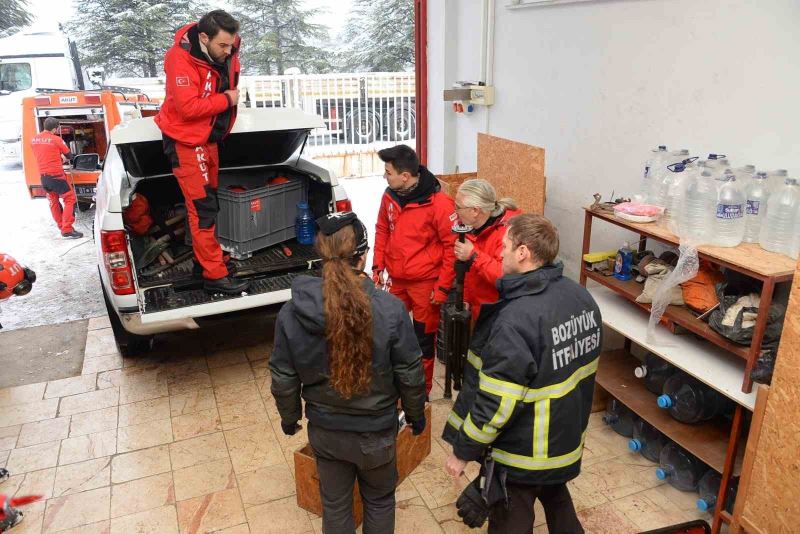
<point x="68" y="287"/>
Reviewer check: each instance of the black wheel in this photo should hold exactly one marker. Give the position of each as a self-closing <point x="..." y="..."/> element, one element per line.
<point x="363" y="126"/>
<point x="402" y="123"/>
<point x="127" y="343"/>
<point x="84" y="206"/>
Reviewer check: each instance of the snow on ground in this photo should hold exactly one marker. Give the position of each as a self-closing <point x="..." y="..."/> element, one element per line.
<point x="67" y="286"/>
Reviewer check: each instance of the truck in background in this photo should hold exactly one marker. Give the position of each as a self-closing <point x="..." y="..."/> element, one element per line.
<point x="86" y="120"/>
<point x="31" y="60"/>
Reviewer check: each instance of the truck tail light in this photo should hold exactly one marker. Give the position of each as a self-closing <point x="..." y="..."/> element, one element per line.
<point x="93" y="99"/>
<point x="118" y="265"/>
<point x="42" y="100"/>
<point x="344" y="205"/>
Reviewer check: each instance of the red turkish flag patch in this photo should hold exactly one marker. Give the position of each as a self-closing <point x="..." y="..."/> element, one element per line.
<point x="182" y="81"/>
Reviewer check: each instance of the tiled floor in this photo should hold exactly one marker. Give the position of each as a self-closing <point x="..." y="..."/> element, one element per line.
<point x="188" y="440"/>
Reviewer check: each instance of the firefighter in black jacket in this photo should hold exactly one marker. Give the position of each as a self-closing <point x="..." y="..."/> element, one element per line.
<point x="527" y="392"/>
<point x="350" y="351"/>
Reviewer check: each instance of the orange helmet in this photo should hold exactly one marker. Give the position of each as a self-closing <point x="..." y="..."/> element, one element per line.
<point x="14" y="278"/>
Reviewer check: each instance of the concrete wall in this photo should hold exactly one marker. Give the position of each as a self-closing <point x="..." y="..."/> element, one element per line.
<point x="597" y="84"/>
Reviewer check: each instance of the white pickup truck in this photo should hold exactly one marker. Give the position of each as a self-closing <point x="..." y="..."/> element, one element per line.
<point x="141" y="304"/>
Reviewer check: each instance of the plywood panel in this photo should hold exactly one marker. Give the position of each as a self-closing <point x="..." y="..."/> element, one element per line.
<point x="772" y="499"/>
<point x="515" y="169"/>
<point x="452" y="181"/>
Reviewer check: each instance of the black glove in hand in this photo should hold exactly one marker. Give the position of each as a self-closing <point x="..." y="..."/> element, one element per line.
<point x="418" y="427"/>
<point x="472" y="509"/>
<point x="290" y="429"/>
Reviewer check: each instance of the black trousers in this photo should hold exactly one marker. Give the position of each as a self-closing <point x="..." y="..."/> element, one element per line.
<point x="518" y="519"/>
<point x="342" y="457"/>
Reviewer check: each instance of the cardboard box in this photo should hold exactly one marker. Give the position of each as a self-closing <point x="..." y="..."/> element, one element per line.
<point x="411" y="451"/>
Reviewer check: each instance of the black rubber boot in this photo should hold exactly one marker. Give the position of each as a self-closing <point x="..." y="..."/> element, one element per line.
<point x="226" y="285"/>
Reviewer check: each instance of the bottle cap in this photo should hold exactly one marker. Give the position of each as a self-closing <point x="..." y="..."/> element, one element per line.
<point x="749" y="168"/>
<point x="780" y="172"/>
<point x="761" y="175"/>
<point x="790" y="181"/>
<point x="728" y="176"/>
<point x="702" y="505"/>
<point x="661" y="473"/>
<point x="635" y="445"/>
<point x="662" y="148"/>
<point x="664" y="401"/>
<point x="640" y="371"/>
<point x="683" y="152"/>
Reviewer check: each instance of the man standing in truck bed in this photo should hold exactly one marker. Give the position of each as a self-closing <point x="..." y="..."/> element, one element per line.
<point x="202" y="72"/>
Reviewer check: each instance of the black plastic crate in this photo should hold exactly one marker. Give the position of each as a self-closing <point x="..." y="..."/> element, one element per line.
<point x="253" y="214"/>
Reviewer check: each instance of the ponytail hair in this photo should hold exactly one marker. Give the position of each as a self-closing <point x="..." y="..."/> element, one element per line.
<point x="478" y="193"/>
<point x="348" y="315"/>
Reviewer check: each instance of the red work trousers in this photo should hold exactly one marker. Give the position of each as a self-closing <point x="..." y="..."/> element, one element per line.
<point x="197" y="170"/>
<point x="59" y="189"/>
<point x="416" y="295"/>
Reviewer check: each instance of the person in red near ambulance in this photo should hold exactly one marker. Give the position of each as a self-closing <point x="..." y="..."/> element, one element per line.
<point x="477" y="206"/>
<point x="49" y="150"/>
<point x="202" y="73"/>
<point x="414" y="244"/>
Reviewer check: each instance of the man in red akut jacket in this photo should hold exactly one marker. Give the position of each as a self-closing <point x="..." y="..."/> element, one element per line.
<point x="414" y="243"/>
<point x="202" y="72"/>
<point x="48" y="149"/>
<point x="477" y="206"/>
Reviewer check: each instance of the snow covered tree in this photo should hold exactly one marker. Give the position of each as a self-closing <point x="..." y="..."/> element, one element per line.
<point x="277" y="35"/>
<point x="130" y="37"/>
<point x="13" y="14"/>
<point x="379" y="36"/>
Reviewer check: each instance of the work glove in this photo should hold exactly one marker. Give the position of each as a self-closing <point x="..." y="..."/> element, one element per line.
<point x="472" y="509"/>
<point x="418" y="426"/>
<point x="290" y="429"/>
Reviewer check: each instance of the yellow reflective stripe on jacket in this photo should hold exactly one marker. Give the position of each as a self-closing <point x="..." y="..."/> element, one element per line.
<point x="562" y="388"/>
<point x="541" y="428"/>
<point x="501" y="388"/>
<point x="529" y="463"/>
<point x="477" y="434"/>
<point x="474" y="360"/>
<point x="454" y="420"/>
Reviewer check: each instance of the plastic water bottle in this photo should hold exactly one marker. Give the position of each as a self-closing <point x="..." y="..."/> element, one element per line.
<point x="662" y="176"/>
<point x="673" y="187"/>
<point x="778" y="229"/>
<point x="700" y="198"/>
<point x="619" y="418"/>
<point x="776" y="179"/>
<point x="304" y="225"/>
<point x="653" y="162"/>
<point x="655" y="373"/>
<point x="679" y="468"/>
<point x="708" y="488"/>
<point x="690" y="401"/>
<point x="757" y="194"/>
<point x="647" y="441"/>
<point x="729" y="223"/>
<point x="745" y="174"/>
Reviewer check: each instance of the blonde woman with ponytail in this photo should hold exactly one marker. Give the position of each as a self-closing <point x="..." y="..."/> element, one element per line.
<point x="349" y="351"/>
<point x="477" y="206"/>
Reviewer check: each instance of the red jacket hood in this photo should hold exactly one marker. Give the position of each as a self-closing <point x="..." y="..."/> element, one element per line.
<point x="183" y="30"/>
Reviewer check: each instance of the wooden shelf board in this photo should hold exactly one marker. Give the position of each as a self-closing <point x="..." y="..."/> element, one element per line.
<point x="678" y="314"/>
<point x="711" y="365"/>
<point x="726" y="517"/>
<point x="748" y="258"/>
<point x="708" y="441"/>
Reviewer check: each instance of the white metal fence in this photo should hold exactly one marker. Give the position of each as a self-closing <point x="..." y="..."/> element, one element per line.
<point x="363" y="112"/>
